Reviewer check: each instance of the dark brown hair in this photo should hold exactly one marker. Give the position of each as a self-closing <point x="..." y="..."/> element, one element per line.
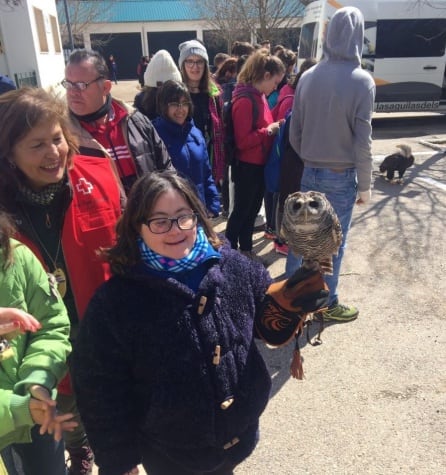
<point x="240" y="48"/>
<point x="20" y="111"/>
<point x="228" y="66"/>
<point x="141" y="201"/>
<point x="172" y="91"/>
<point x="305" y="66"/>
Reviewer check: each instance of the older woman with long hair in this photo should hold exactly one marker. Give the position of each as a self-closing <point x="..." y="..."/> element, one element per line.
<point x="65" y="207"/>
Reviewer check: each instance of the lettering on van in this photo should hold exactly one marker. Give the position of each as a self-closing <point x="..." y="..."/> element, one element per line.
<point x="406" y="106"/>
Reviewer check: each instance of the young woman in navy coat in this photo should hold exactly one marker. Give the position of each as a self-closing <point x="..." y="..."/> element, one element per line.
<point x="185" y="142"/>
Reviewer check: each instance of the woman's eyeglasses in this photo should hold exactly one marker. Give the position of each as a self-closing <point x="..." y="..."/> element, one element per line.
<point x="190" y="63"/>
<point x="179" y="105"/>
<point x="164" y="225"/>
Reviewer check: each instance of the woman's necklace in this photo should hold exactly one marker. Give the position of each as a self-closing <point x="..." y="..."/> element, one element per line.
<point x="58" y="273"/>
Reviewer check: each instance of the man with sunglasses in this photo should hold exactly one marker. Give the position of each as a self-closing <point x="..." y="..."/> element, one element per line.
<point x="107" y="126"/>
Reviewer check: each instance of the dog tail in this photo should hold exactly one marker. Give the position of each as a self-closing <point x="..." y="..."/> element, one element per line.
<point x="406" y="150"/>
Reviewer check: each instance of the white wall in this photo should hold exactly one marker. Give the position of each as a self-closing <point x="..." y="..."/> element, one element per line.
<point x="21" y="43"/>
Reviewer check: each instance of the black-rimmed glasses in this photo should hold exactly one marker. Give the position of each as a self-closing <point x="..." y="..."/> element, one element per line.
<point x="179" y="105"/>
<point x="79" y="86"/>
<point x="164" y="225"/>
<point x="190" y="63"/>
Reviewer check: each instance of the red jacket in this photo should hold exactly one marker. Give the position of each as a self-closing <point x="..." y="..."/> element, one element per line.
<point x="89" y="224"/>
<point x="253" y="144"/>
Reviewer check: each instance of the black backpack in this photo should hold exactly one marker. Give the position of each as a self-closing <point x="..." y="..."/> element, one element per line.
<point x="228" y="123"/>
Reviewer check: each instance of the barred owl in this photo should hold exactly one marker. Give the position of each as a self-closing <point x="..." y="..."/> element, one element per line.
<point x="312" y="229"/>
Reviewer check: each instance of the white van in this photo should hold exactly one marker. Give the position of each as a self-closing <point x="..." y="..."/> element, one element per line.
<point x="404" y="49"/>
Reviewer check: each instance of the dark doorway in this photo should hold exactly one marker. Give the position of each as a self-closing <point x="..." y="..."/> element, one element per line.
<point x="126" y="48"/>
<point x="168" y="40"/>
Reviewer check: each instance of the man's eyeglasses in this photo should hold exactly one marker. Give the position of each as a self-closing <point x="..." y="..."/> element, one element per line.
<point x="190" y="63"/>
<point x="164" y="225"/>
<point x="179" y="105"/>
<point x="80" y="86"/>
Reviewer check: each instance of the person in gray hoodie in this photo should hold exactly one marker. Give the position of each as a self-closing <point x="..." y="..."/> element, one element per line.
<point x="331" y="131"/>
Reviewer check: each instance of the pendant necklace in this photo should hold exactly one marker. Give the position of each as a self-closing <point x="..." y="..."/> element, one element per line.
<point x="58" y="273"/>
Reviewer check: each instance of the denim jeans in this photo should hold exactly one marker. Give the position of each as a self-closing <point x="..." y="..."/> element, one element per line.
<point x="43" y="456"/>
<point x="340" y="189"/>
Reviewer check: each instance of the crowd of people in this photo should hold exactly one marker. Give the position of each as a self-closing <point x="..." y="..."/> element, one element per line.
<point x="107" y="249"/>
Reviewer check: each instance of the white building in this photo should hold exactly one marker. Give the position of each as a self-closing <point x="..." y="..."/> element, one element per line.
<point x="30" y="45"/>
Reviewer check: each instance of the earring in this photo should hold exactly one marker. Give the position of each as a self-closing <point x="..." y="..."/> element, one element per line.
<point x="12" y="165"/>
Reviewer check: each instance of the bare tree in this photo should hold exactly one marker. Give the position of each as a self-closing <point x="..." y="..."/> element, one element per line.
<point x="255" y="18"/>
<point x="10" y="5"/>
<point x="81" y="15"/>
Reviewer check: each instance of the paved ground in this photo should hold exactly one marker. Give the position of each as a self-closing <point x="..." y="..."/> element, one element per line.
<point x="374" y="397"/>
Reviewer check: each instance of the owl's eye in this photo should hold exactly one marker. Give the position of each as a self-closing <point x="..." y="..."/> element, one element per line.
<point x="297" y="206"/>
<point x="314" y="204"/>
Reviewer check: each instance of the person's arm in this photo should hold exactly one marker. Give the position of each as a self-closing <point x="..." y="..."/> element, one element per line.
<point x="41" y="353"/>
<point x="362" y="136"/>
<point x="102" y="376"/>
<point x="296" y="123"/>
<point x="44" y="360"/>
<point x="210" y="190"/>
<point x="15" y="319"/>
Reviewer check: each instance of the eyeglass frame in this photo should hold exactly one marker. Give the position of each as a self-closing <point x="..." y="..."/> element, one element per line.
<point x="200" y="63"/>
<point x="75" y="85"/>
<point x="173" y="220"/>
<point x="179" y="105"/>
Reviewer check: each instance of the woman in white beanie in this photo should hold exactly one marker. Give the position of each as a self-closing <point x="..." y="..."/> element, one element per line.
<point x="161" y="68"/>
<point x="207" y="100"/>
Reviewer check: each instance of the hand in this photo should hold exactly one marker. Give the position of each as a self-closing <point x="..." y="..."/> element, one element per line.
<point x="12" y="319"/>
<point x="133" y="471"/>
<point x="273" y="129"/>
<point x="45" y="416"/>
<point x="43" y="412"/>
<point x="307" y="290"/>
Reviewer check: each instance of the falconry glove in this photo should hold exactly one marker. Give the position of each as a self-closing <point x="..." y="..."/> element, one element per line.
<point x="286" y="306"/>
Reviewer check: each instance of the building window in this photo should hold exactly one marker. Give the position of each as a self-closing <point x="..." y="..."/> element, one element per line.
<point x="41" y="31"/>
<point x="55" y="32"/>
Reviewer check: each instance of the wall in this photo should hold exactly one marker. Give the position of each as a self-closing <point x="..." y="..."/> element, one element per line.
<point x="22" y="52"/>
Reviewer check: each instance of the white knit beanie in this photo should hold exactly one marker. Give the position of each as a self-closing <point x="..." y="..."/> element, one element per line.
<point x="160" y="69"/>
<point x="188" y="48"/>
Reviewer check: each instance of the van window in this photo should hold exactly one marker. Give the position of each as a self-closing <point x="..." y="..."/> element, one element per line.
<point x="411" y="38"/>
<point x="306" y="41"/>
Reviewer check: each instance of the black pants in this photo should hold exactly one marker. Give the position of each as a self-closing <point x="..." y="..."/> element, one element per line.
<point x="249" y="187"/>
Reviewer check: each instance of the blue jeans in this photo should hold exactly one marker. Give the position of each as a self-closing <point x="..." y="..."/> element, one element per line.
<point x="340" y="189"/>
<point x="42" y="456"/>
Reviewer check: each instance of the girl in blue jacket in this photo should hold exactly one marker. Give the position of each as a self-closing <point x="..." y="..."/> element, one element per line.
<point x="185" y="142"/>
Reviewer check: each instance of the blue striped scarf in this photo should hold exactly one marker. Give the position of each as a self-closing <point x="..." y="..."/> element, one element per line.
<point x="162" y="263"/>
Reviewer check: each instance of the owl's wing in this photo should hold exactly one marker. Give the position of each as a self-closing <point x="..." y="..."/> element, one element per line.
<point x="337" y="233"/>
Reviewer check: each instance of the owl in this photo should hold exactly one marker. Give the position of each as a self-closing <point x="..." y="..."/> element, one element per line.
<point x="399" y="161"/>
<point x="312" y="229"/>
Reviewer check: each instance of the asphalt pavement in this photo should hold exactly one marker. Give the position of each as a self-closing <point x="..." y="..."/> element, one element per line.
<point x="373" y="400"/>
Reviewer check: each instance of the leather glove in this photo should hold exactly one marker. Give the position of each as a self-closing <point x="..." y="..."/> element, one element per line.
<point x="307" y="290"/>
<point x="287" y="304"/>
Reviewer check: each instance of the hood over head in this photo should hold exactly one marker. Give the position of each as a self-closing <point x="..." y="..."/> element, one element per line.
<point x="345" y="35"/>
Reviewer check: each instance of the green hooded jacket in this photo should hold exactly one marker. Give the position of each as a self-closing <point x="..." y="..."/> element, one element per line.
<point x="40" y="357"/>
